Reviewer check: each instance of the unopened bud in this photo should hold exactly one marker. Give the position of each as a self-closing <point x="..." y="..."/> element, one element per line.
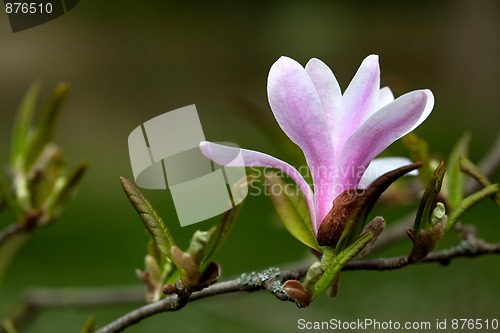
<point x="296" y="291"/>
<point x="334" y="223"/>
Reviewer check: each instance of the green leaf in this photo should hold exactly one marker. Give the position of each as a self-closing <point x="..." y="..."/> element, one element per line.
<point x="88" y="327"/>
<point x="332" y="265"/>
<point x="468" y="202"/>
<point x="48" y="174"/>
<point x="220" y="235"/>
<point x="429" y="200"/>
<point x="472" y="170"/>
<point x="152" y="221"/>
<point x="23" y="121"/>
<point x="357" y="219"/>
<point x="455" y="179"/>
<point x="62" y="191"/>
<point x="44" y="129"/>
<point x="292" y="210"/>
<point x="198" y="245"/>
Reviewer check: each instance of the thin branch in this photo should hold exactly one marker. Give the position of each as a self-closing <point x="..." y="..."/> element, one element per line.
<point x="171" y="302"/>
<point x="488" y="165"/>
<point x="9" y="231"/>
<point x="444" y="257"/>
<point x="38" y="299"/>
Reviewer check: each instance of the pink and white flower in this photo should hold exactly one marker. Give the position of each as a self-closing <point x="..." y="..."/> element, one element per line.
<point x="339" y="134"/>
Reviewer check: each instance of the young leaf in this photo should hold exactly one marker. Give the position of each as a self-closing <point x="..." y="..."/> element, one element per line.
<point x="24" y="118"/>
<point x="357" y="220"/>
<point x="455" y="181"/>
<point x="333" y="265"/>
<point x="152" y="221"/>
<point x="44" y="129"/>
<point x="62" y="191"/>
<point x="468" y="202"/>
<point x="472" y="170"/>
<point x="292" y="210"/>
<point x="220" y="235"/>
<point x="429" y="200"/>
<point x="88" y="327"/>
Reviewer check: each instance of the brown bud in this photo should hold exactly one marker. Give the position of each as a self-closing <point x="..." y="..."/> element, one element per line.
<point x="335" y="221"/>
<point x="376" y="226"/>
<point x="168" y="289"/>
<point x="296" y="291"/>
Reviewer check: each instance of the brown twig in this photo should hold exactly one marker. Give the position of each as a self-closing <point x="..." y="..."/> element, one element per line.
<point x="38" y="299"/>
<point x="488" y="165"/>
<point x="470" y="248"/>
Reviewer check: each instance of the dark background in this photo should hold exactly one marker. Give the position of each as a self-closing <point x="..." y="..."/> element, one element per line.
<point x="129" y="63"/>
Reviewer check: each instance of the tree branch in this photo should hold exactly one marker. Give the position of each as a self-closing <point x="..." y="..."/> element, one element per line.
<point x="469" y="248"/>
<point x="38" y="299"/>
<point x="488" y="165"/>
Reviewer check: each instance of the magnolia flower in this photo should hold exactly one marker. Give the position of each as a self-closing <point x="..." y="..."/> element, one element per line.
<point x="339" y="134"/>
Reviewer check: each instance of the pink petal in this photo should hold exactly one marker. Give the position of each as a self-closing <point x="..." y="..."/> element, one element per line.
<point x="360" y="99"/>
<point x="299" y="111"/>
<point x="427" y="111"/>
<point x="385" y="96"/>
<point x="223" y="154"/>
<point x="377" y="133"/>
<point x="381" y="165"/>
<point x="327" y="87"/>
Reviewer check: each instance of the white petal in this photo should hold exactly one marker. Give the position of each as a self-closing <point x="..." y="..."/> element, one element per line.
<point x="426" y="113"/>
<point x="224" y="154"/>
<point x="385" y="96"/>
<point x="381" y="165"/>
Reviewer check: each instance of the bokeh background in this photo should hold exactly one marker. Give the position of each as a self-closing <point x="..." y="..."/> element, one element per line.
<point x="130" y="62"/>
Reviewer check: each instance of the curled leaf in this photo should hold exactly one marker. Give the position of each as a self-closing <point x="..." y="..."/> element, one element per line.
<point x="428" y="239"/>
<point x="152" y="221"/>
<point x="188" y="268"/>
<point x="429" y="200"/>
<point x="375" y="226"/>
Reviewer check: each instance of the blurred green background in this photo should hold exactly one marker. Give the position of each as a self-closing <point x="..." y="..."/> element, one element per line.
<point x="130" y="62"/>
